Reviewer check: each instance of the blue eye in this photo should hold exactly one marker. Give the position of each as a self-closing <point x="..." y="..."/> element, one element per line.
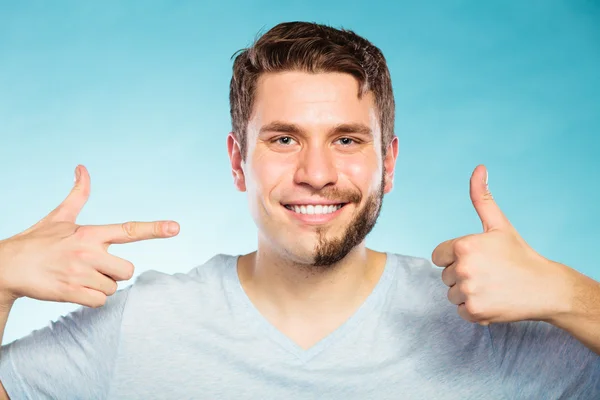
<point x="345" y="141"/>
<point x="285" y="140"/>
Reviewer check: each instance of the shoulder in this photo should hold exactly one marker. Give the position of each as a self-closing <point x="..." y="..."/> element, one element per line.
<point x="416" y="272"/>
<point x="156" y="286"/>
<point x="417" y="288"/>
<point x="213" y="269"/>
<point x="157" y="301"/>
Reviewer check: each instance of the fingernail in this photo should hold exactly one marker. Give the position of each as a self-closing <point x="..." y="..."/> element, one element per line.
<point x="486" y="177"/>
<point x="77" y="174"/>
<point x="172" y="228"/>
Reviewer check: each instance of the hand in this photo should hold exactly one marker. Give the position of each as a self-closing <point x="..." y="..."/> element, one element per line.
<point x="495" y="276"/>
<point x="57" y="260"/>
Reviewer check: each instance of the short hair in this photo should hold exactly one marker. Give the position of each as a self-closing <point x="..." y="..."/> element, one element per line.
<point x="312" y="48"/>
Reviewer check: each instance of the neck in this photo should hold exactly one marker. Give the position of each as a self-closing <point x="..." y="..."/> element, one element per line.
<point x="283" y="287"/>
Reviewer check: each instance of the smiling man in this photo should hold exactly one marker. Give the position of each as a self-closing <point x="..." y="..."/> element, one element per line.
<point x="315" y="166"/>
<point x="312" y="313"/>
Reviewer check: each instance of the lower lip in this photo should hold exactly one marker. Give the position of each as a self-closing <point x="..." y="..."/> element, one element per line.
<point x="315" y="219"/>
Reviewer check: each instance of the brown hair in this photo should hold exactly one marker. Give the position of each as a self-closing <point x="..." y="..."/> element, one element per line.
<point x="314" y="48"/>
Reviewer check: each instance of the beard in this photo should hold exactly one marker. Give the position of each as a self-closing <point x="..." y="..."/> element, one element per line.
<point x="329" y="251"/>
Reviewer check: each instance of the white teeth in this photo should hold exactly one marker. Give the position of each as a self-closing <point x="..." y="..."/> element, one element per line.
<point x="315" y="209"/>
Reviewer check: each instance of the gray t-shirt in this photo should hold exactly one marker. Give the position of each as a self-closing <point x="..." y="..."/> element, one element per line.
<point x="198" y="336"/>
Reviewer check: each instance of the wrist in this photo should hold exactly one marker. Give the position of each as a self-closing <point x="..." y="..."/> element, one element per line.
<point x="6" y="301"/>
<point x="571" y="284"/>
<point x="7" y="298"/>
<point x="559" y="289"/>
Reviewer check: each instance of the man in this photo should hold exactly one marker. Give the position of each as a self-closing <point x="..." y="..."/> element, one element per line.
<point x="312" y="313"/>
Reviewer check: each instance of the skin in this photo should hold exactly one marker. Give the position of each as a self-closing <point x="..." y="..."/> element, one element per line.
<point x="308" y="277"/>
<point x="303" y="278"/>
<point x="58" y="260"/>
<point x="494" y="276"/>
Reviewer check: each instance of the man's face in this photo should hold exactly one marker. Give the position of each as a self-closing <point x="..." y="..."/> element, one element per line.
<point x="314" y="170"/>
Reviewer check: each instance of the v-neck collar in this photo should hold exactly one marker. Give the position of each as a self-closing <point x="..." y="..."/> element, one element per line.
<point x="241" y="300"/>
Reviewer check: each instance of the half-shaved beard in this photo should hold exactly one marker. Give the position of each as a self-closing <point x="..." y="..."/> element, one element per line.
<point x="329" y="251"/>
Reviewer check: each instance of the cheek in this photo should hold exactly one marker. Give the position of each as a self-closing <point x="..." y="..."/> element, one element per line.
<point x="364" y="172"/>
<point x="267" y="174"/>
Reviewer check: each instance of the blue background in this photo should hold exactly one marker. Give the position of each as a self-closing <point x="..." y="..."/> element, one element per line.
<point x="138" y="92"/>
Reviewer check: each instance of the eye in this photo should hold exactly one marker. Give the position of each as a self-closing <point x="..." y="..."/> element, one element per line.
<point x="284" y="140"/>
<point x="346" y="141"/>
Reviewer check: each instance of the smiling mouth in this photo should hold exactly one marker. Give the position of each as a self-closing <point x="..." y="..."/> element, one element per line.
<point x="314" y="209"/>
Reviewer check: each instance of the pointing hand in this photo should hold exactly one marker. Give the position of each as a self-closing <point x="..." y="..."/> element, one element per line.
<point x="58" y="260"/>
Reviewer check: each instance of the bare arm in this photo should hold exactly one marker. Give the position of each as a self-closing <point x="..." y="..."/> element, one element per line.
<point x="5" y="307"/>
<point x="582" y="318"/>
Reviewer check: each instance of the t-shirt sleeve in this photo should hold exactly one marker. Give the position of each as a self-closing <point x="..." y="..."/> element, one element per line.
<point x="538" y="360"/>
<point x="71" y="358"/>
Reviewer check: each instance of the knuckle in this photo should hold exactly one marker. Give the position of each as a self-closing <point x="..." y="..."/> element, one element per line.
<point x="435" y="258"/>
<point x="487" y="196"/>
<point x="462" y="246"/>
<point x="467" y="288"/>
<point x="129" y="228"/>
<point x="113" y="288"/>
<point x="473" y="309"/>
<point x="84" y="190"/>
<point x="72" y="272"/>
<point x="69" y="288"/>
<point x="82" y="232"/>
<point x="66" y="291"/>
<point x="128" y="271"/>
<point x="446" y="276"/>
<point x="79" y="255"/>
<point x="132" y="229"/>
<point x="157" y="229"/>
<point x="462" y="271"/>
<point x="97" y="300"/>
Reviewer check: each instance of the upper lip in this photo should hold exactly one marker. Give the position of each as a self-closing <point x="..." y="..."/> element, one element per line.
<point x="313" y="202"/>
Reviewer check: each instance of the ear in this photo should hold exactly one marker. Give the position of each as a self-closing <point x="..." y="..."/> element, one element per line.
<point x="235" y="157"/>
<point x="389" y="163"/>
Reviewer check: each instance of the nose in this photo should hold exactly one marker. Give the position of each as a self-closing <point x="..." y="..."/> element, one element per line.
<point x="316" y="168"/>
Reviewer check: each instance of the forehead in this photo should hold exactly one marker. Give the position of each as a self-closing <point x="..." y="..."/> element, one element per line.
<point x="311" y="100"/>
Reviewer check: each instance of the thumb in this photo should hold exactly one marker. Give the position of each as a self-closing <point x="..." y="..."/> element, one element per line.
<point x="70" y="208"/>
<point x="488" y="211"/>
<point x="72" y="205"/>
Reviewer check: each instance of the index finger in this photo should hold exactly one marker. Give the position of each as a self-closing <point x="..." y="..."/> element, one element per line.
<point x="134" y="231"/>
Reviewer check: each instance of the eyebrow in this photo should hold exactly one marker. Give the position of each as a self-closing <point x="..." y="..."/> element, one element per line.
<point x="284" y="127"/>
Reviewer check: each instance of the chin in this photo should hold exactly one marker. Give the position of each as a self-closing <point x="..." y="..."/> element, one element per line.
<point x="304" y="255"/>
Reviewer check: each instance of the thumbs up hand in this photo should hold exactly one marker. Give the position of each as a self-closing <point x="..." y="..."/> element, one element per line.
<point x="495" y="276"/>
<point x="58" y="260"/>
